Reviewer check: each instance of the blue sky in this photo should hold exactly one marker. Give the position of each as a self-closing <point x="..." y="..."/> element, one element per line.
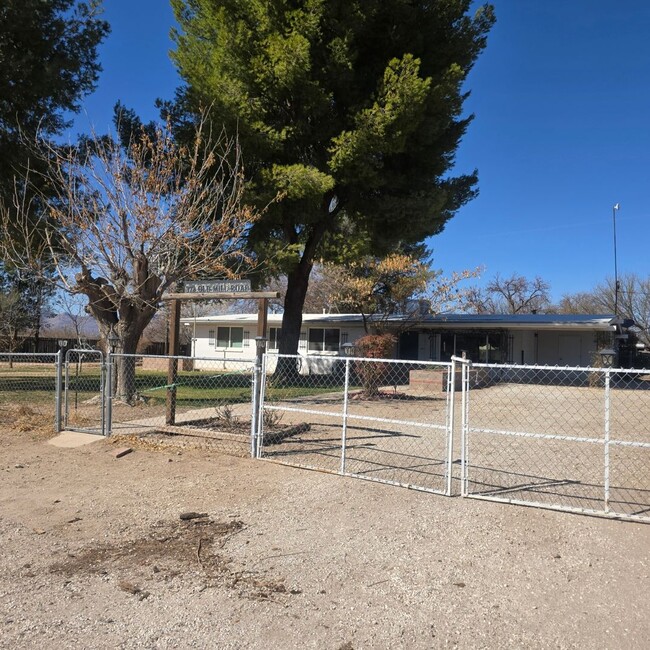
<point x="561" y="133"/>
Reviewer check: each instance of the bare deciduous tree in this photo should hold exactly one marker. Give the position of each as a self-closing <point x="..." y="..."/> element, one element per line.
<point x="74" y="318"/>
<point x="128" y="222"/>
<point x="512" y="295"/>
<point x="633" y="301"/>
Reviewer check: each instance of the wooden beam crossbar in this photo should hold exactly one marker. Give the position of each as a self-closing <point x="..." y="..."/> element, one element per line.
<point x="234" y="295"/>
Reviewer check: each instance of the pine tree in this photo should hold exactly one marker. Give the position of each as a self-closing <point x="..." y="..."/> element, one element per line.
<point x="48" y="62"/>
<point x="349" y="111"/>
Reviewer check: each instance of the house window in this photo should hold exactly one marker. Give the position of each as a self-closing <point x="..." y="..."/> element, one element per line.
<point x="324" y="339"/>
<point x="274" y="338"/>
<point x="211" y="338"/>
<point x="230" y="337"/>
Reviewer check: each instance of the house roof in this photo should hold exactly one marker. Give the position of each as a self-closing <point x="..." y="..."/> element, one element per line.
<point x="602" y="322"/>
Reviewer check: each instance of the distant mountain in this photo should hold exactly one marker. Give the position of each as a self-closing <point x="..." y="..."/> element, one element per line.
<point x="67" y="326"/>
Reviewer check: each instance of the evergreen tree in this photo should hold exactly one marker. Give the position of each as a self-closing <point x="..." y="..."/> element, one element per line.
<point x="24" y="301"/>
<point x="48" y="62"/>
<point x="349" y="111"/>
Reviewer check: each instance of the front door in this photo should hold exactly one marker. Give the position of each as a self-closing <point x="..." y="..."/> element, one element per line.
<point x="569" y="350"/>
<point x="409" y="345"/>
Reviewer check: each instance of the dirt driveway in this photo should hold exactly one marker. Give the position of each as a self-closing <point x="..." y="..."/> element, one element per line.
<point x="95" y="555"/>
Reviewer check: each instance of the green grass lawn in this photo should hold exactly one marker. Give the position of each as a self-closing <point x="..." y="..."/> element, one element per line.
<point x="26" y="384"/>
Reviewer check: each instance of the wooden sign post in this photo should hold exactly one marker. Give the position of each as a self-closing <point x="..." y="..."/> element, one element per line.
<point x="206" y="290"/>
<point x="174" y="351"/>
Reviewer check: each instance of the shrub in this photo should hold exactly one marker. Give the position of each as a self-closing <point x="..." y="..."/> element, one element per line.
<point x="373" y="375"/>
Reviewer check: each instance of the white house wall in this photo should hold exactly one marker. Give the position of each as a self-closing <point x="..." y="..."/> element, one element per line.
<point x="523" y="347"/>
<point x="559" y="347"/>
<point x="565" y="348"/>
<point x="209" y="357"/>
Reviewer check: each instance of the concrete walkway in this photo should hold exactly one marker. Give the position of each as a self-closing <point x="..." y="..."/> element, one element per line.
<point x="72" y="439"/>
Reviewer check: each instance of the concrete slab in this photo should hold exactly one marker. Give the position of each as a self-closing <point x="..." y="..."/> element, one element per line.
<point x="71" y="439"/>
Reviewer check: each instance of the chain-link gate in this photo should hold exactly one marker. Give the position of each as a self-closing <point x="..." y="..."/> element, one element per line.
<point x="377" y="419"/>
<point x="574" y="439"/>
<point x="84" y="391"/>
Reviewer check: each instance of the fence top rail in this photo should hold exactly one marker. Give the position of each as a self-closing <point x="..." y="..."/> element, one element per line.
<point x="327" y="357"/>
<point x="28" y="355"/>
<point x="514" y="366"/>
<point x="166" y="357"/>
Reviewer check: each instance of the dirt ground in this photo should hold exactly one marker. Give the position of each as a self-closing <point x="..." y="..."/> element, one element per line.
<point x="95" y="554"/>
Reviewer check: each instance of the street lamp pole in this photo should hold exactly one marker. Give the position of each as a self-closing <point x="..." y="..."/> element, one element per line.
<point x="614" y="210"/>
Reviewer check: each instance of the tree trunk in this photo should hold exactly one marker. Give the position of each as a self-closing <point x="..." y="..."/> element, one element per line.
<point x="297" y="283"/>
<point x="294" y="299"/>
<point x="129" y="330"/>
<point x="38" y="315"/>
<point x="125" y="388"/>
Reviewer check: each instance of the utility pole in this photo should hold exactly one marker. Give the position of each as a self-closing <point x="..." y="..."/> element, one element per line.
<point x="616" y="285"/>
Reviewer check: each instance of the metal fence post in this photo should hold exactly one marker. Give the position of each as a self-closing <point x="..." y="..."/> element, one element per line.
<point x="464" y="452"/>
<point x="607" y="435"/>
<point x="450" y="417"/>
<point x="346" y="395"/>
<point x="256" y="413"/>
<point x="108" y="396"/>
<point x="464" y="435"/>
<point x="58" y="390"/>
<point x="66" y="389"/>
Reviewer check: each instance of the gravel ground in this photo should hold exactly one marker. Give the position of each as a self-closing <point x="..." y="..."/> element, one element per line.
<point x="96" y="555"/>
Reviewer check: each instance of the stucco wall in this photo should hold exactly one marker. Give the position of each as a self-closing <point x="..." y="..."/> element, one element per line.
<point x="565" y="348"/>
<point x="523" y="347"/>
<point x="544" y="348"/>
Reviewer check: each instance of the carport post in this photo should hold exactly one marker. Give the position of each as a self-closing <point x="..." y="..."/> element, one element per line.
<point x="58" y="390"/>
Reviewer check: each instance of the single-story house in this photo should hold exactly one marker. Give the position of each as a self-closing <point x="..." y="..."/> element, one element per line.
<point x="545" y="339"/>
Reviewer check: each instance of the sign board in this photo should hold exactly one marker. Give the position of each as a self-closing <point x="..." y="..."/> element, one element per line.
<point x="218" y="286"/>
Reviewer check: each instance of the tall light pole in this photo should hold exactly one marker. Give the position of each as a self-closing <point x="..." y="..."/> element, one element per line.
<point x="614" y="210"/>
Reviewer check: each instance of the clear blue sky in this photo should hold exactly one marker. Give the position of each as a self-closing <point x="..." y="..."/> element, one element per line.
<point x="561" y="133"/>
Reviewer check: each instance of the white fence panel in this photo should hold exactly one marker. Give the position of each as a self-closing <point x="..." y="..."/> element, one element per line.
<point x="575" y="439"/>
<point x="376" y="419"/>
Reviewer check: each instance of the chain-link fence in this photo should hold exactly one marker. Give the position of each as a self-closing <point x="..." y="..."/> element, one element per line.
<point x="181" y="401"/>
<point x="381" y="420"/>
<point x="30" y="389"/>
<point x="574" y="439"/>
